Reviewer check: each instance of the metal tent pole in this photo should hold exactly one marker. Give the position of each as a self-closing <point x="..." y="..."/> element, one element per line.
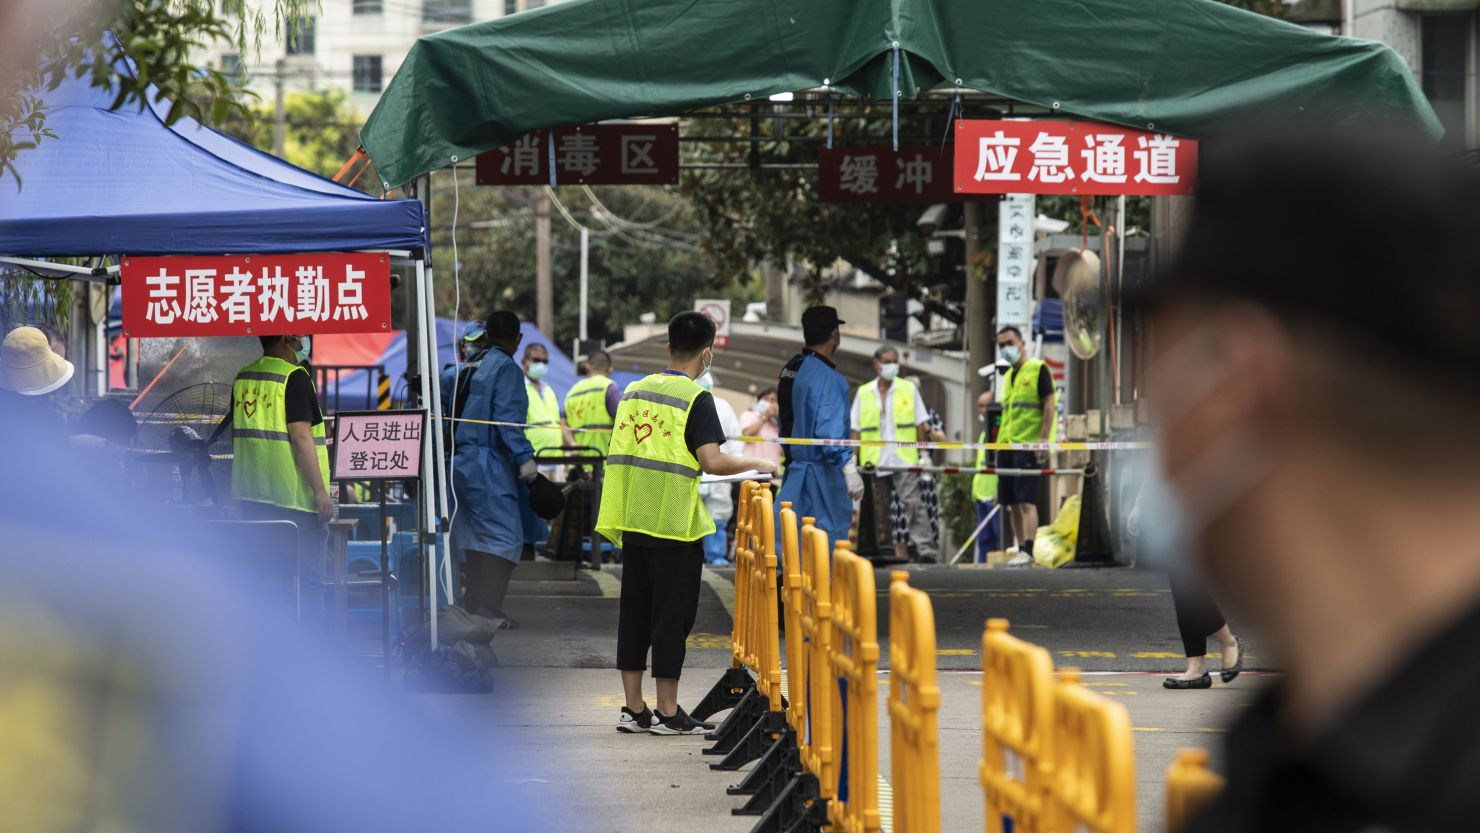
<point x="431" y="443"/>
<point x="441" y="503"/>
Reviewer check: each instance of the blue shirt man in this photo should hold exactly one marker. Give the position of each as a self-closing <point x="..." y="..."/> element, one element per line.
<point x="491" y="465"/>
<point x="821" y="480"/>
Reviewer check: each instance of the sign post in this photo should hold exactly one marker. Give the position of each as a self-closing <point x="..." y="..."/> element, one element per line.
<point x="718" y="311"/>
<point x="1015" y="261"/>
<point x="380" y="446"/>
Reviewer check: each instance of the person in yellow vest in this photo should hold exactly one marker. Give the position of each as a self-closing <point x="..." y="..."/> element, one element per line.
<point x="591" y="404"/>
<point x="1028" y="416"/>
<point x="890" y="408"/>
<point x="984" y="488"/>
<point x="544" y="405"/>
<point x="667" y="434"/>
<point x="280" y="457"/>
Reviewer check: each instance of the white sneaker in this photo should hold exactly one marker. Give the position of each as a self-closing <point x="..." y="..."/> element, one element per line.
<point x="1020" y="559"/>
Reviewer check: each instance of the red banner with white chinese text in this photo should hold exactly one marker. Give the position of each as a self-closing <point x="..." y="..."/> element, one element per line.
<point x="1061" y="157"/>
<point x="877" y="173"/>
<point x="258" y="295"/>
<point x="586" y="154"/>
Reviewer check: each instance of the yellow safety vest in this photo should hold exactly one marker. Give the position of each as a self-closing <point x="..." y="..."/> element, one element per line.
<point x="1022" y="410"/>
<point x="585" y="408"/>
<point x="652" y="481"/>
<point x="544" y="409"/>
<point x="983" y="486"/>
<point x="262" y="468"/>
<point x="902" y="409"/>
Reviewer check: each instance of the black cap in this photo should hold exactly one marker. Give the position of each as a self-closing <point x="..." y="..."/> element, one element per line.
<point x="1373" y="237"/>
<point x="818" y="323"/>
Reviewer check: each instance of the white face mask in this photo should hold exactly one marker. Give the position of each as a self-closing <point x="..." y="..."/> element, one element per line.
<point x="1174" y="514"/>
<point x="762" y="406"/>
<point x="888" y="371"/>
<point x="1011" y="353"/>
<point x="537" y="370"/>
<point x="304" y="349"/>
<point x="704" y="380"/>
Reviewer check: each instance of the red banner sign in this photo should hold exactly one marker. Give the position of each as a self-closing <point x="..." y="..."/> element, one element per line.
<point x="258" y="295"/>
<point x="914" y="173"/>
<point x="1061" y="157"/>
<point x="588" y="154"/>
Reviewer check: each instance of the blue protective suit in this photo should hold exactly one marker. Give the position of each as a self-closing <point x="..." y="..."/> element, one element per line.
<point x="486" y="460"/>
<point x="814" y="478"/>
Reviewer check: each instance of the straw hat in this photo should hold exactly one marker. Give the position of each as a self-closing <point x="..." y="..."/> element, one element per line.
<point x="28" y="366"/>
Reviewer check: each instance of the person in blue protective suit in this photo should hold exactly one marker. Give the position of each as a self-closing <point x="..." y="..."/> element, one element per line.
<point x="821" y="481"/>
<point x="470" y="350"/>
<point x="491" y="468"/>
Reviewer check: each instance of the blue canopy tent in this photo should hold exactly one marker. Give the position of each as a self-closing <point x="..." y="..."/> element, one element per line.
<point x="117" y="183"/>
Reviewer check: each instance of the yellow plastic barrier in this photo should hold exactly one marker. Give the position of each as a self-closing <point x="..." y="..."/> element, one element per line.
<point x="1094" y="762"/>
<point x="1017" y="730"/>
<point x="821" y="739"/>
<point x="914" y="700"/>
<point x="743" y="554"/>
<point x="791" y="613"/>
<point x="1190" y="787"/>
<point x="854" y="655"/>
<point x="763" y="642"/>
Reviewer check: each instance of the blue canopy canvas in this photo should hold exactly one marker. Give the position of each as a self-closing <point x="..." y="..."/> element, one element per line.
<point x="124" y="183"/>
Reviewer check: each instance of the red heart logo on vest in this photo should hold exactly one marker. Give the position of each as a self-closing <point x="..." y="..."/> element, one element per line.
<point x="249" y="407"/>
<point x="642" y="432"/>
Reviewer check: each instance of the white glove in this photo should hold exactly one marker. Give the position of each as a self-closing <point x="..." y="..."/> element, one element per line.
<point x="528" y="469"/>
<point x="854" y="481"/>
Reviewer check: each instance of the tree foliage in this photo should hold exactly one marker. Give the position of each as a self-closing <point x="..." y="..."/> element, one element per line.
<point x="654" y="264"/>
<point x="320" y="131"/>
<point x="162" y="40"/>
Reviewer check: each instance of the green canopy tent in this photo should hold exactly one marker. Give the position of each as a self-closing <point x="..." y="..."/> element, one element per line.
<point x="1196" y="68"/>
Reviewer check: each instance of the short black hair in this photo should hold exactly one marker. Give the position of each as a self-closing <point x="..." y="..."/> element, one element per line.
<point x="689" y="333"/>
<point x="269" y="341"/>
<point x="766" y="391"/>
<point x="600" y="359"/>
<point x="583" y="369"/>
<point x="501" y="326"/>
<point x="535" y="345"/>
<point x="885" y="350"/>
<point x="1011" y="329"/>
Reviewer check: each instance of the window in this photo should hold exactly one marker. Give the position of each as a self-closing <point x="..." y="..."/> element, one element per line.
<point x="231" y="67"/>
<point x="367" y="6"/>
<point x="367" y="74"/>
<point x="511" y="7"/>
<point x="1445" y="45"/>
<point x="299" y="38"/>
<point x="447" y="11"/>
<point x="533" y="4"/>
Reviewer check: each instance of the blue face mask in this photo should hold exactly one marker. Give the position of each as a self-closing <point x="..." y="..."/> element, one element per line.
<point x="704" y="380"/>
<point x="537" y="370"/>
<point x="304" y="348"/>
<point x="1011" y="353"/>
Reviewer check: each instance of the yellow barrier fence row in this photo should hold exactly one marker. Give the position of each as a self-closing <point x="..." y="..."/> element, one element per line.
<point x="821" y="742"/>
<point x="1094" y="762"/>
<point x="854" y="655"/>
<point x="1017" y="730"/>
<point x="1190" y="787"/>
<point x="914" y="700"/>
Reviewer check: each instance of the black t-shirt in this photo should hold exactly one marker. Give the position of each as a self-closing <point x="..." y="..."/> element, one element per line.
<point x="1045" y="381"/>
<point x="701" y="429"/>
<point x="302" y="401"/>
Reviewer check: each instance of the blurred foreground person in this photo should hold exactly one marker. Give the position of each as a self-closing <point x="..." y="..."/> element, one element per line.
<point x="147" y="687"/>
<point x="1315" y="388"/>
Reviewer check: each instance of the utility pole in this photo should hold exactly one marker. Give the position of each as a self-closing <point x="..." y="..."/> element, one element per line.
<point x="279" y="112"/>
<point x="981" y="298"/>
<point x="544" y="293"/>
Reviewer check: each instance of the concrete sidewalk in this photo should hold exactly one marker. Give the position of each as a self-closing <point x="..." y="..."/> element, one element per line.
<point x="559" y="725"/>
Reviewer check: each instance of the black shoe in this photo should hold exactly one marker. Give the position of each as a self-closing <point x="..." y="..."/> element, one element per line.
<point x="1231" y="673"/>
<point x="1205" y="681"/>
<point x="634" y="723"/>
<point x="679" y="723"/>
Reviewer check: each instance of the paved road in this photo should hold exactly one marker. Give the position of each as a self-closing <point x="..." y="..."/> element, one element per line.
<point x="1114" y="619"/>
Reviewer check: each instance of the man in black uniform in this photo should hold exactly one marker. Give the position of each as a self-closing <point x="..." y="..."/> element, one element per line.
<point x="1316" y="390"/>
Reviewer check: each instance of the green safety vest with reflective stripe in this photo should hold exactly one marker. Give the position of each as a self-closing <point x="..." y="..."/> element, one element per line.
<point x="652" y="481"/>
<point x="901" y="401"/>
<point x="262" y="468"/>
<point x="1022" y="410"/>
<point x="983" y="486"/>
<point x="585" y="408"/>
<point x="544" y="409"/>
